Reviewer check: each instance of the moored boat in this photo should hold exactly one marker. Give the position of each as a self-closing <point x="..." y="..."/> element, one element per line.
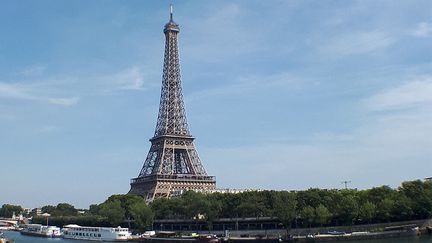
<point x="181" y="239"/>
<point x="77" y="232"/>
<point x="41" y="230"/>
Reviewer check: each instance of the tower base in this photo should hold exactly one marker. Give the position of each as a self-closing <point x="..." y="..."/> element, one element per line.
<point x="166" y="186"/>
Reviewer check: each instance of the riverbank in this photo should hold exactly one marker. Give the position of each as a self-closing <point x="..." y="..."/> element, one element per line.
<point x="341" y="233"/>
<point x="407" y="229"/>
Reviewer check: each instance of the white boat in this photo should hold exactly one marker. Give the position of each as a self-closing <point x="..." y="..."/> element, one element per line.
<point x="76" y="232"/>
<point x="41" y="230"/>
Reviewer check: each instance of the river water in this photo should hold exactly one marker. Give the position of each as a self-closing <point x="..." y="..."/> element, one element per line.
<point x="18" y="238"/>
<point x="30" y="239"/>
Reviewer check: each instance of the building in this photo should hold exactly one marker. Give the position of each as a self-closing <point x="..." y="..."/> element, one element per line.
<point x="172" y="163"/>
<point x="36" y="211"/>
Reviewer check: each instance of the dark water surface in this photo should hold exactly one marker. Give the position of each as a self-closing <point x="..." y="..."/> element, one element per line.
<point x="27" y="239"/>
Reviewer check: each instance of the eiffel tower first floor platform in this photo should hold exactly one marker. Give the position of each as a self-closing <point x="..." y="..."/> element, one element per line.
<point x="157" y="186"/>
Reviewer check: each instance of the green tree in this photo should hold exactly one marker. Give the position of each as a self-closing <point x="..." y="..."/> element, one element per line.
<point x="284" y="206"/>
<point x="322" y="214"/>
<point x="142" y="214"/>
<point x="420" y="194"/>
<point x="193" y="204"/>
<point x="348" y="209"/>
<point x="113" y="211"/>
<point x="377" y="194"/>
<point x="65" y="209"/>
<point x="48" y="209"/>
<point x="94" y="209"/>
<point x="384" y="209"/>
<point x="308" y="215"/>
<point x="164" y="208"/>
<point x="402" y="209"/>
<point x="367" y="211"/>
<point x="213" y="209"/>
<point x="311" y="197"/>
<point x="251" y="205"/>
<point x="126" y="201"/>
<point x="7" y="210"/>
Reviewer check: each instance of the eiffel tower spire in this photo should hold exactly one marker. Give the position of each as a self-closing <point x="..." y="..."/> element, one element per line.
<point x="172" y="115"/>
<point x="172" y="163"/>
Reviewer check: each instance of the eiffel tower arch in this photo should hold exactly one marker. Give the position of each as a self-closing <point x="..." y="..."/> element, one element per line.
<point x="172" y="163"/>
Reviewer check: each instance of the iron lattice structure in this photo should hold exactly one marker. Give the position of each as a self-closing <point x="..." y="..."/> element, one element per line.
<point x="172" y="163"/>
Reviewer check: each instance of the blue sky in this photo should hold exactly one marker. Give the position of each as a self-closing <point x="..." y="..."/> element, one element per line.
<point x="279" y="94"/>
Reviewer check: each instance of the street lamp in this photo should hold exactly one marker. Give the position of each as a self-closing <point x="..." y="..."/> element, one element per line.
<point x="47" y="215"/>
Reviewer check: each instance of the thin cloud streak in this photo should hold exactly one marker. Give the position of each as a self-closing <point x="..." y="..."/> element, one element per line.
<point x="413" y="93"/>
<point x="424" y="29"/>
<point x="27" y="92"/>
<point x="131" y="79"/>
<point x="245" y="85"/>
<point x="33" y="70"/>
<point x="64" y="101"/>
<point x="353" y="43"/>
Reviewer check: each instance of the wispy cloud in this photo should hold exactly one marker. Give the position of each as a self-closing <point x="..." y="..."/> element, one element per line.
<point x="382" y="143"/>
<point x="244" y="85"/>
<point x="30" y="92"/>
<point x="414" y="93"/>
<point x="131" y="78"/>
<point x="424" y="29"/>
<point x="64" y="101"/>
<point x="226" y="31"/>
<point x="33" y="70"/>
<point x="16" y="91"/>
<point x="357" y="43"/>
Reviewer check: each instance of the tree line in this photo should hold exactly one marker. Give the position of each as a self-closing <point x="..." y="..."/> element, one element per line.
<point x="312" y="207"/>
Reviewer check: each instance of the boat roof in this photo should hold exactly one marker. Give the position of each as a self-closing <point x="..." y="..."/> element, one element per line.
<point x="71" y="226"/>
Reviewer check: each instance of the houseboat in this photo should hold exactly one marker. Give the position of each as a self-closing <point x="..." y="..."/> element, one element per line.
<point x="76" y="232"/>
<point x="41" y="230"/>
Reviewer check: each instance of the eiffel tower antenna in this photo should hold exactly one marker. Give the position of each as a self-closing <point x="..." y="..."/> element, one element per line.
<point x="171" y="12"/>
<point x="172" y="164"/>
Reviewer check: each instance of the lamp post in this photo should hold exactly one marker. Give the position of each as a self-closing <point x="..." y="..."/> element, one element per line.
<point x="346" y="183"/>
<point x="47" y="215"/>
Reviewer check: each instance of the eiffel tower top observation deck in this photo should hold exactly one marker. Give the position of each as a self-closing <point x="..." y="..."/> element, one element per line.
<point x="172" y="163"/>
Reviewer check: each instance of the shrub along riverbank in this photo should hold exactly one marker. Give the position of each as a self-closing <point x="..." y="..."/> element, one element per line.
<point x="308" y="208"/>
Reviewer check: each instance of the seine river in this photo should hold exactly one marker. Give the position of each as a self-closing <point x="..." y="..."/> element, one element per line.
<point x="24" y="239"/>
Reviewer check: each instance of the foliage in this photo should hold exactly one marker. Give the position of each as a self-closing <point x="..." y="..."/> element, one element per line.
<point x="348" y="210"/>
<point x="87" y="220"/>
<point x="322" y="215"/>
<point x="48" y="209"/>
<point x="367" y="212"/>
<point x="308" y="215"/>
<point x="142" y="214"/>
<point x="62" y="209"/>
<point x="284" y="207"/>
<point x="93" y="209"/>
<point x="312" y="207"/>
<point x="7" y="210"/>
<point x="113" y="211"/>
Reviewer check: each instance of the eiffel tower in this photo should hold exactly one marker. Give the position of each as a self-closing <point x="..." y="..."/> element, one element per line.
<point x="172" y="164"/>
